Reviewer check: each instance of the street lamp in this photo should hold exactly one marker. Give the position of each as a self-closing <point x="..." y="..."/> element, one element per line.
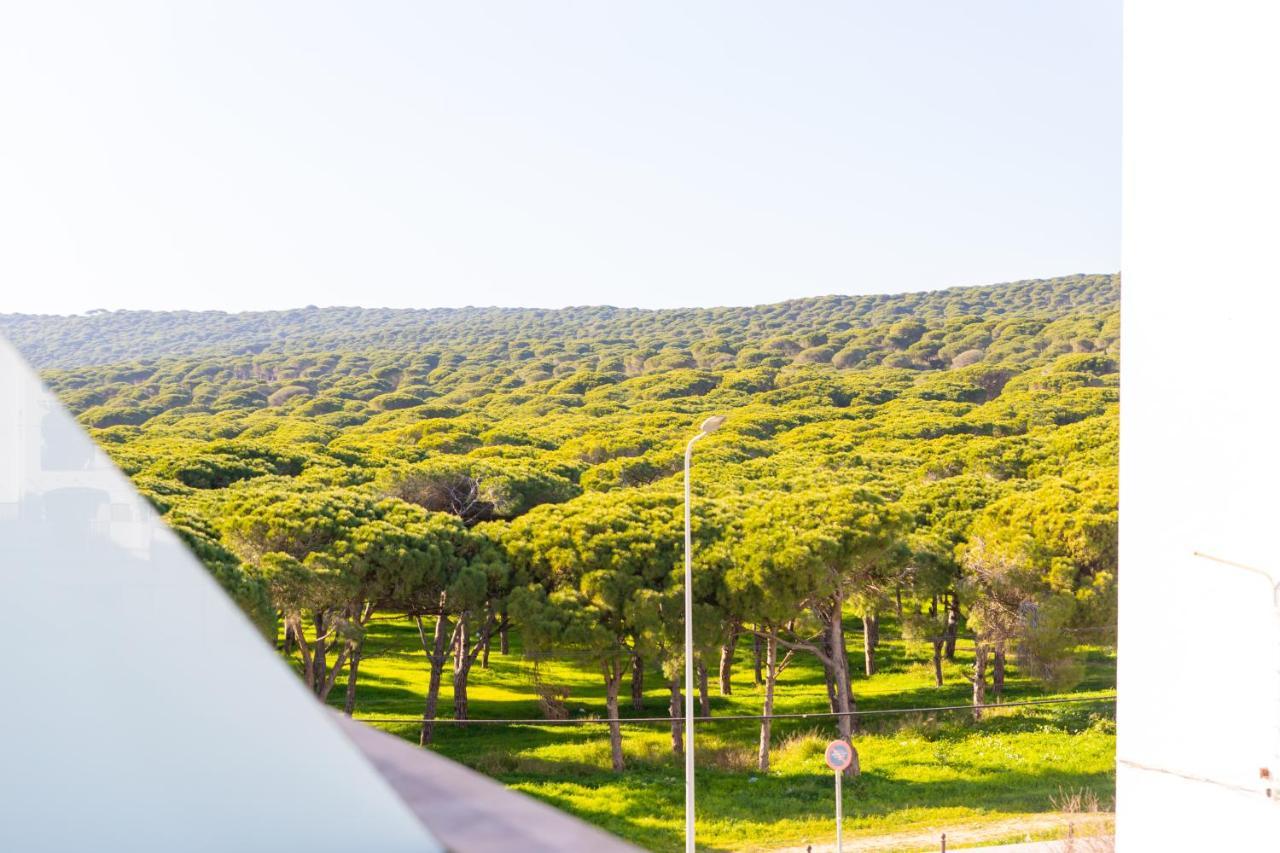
<point x="710" y="425"/>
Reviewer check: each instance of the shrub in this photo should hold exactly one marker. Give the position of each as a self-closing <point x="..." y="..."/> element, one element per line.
<point x="394" y="400"/>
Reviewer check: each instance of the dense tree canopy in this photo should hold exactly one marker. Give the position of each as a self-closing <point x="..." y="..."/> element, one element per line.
<point x="951" y="455"/>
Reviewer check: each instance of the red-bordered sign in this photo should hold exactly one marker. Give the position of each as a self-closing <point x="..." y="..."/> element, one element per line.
<point x="839" y="755"/>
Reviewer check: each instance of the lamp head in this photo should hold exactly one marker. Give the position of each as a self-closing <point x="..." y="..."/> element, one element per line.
<point x="711" y="424"/>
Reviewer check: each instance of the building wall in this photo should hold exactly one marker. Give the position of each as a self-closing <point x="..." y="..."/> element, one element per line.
<point x="1199" y="713"/>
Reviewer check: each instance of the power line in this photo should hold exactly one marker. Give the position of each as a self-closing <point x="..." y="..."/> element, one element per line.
<point x="816" y="715"/>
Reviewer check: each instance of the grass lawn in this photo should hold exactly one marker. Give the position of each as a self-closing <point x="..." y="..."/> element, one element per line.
<point x="920" y="771"/>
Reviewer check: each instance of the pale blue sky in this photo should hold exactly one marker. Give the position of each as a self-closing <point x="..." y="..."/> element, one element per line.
<point x="245" y="155"/>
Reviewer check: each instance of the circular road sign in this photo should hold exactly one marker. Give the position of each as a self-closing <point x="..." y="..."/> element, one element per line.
<point x="839" y="755"/>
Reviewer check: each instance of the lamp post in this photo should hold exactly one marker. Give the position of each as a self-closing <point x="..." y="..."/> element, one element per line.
<point x="710" y="425"/>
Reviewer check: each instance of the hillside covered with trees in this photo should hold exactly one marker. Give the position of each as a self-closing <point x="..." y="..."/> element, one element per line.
<point x="942" y="462"/>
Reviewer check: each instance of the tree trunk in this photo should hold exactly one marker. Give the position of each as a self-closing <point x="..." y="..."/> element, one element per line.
<point x="756" y="651"/>
<point x="771" y="675"/>
<point x="979" y="678"/>
<point x="460" y="691"/>
<point x="353" y="652"/>
<point x="847" y="723"/>
<point x="842" y="653"/>
<point x="319" y="657"/>
<point x="612" y="682"/>
<point x="677" y="716"/>
<point x="828" y="656"/>
<point x="487" y="636"/>
<point x="504" y="644"/>
<point x="637" y="683"/>
<point x="461" y="668"/>
<point x="704" y="695"/>
<point x="334" y="671"/>
<point x="997" y="673"/>
<point x="953" y="624"/>
<point x="726" y="660"/>
<point x="855" y="763"/>
<point x="356" y="651"/>
<point x="872" y="620"/>
<point x="294" y="629"/>
<point x="868" y="644"/>
<point x="360" y="616"/>
<point x="435" y="659"/>
<point x="937" y="662"/>
<point x="828" y="674"/>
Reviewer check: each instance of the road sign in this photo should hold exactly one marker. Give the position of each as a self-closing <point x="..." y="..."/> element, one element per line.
<point x="839" y="755"/>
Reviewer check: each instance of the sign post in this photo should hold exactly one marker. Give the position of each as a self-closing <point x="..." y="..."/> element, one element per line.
<point x="839" y="756"/>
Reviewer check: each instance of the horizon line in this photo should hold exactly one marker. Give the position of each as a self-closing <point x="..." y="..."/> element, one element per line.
<point x="93" y="312"/>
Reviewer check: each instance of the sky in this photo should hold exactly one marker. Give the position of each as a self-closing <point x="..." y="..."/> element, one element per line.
<point x="246" y="155"/>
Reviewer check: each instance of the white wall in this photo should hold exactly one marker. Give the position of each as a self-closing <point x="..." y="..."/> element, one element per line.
<point x="1200" y="640"/>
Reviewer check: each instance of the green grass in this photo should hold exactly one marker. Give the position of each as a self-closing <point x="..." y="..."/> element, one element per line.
<point x="919" y="771"/>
